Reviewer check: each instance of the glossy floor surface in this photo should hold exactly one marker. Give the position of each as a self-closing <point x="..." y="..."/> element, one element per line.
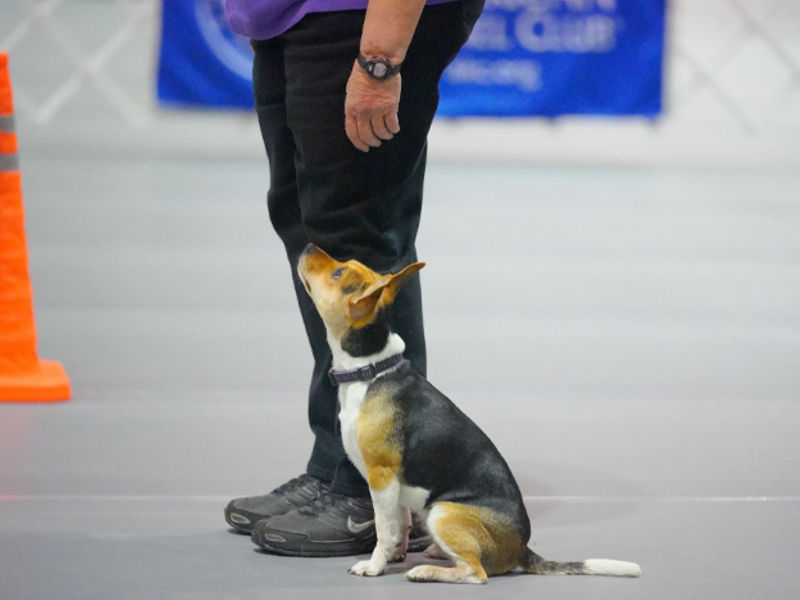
<point x="630" y="339"/>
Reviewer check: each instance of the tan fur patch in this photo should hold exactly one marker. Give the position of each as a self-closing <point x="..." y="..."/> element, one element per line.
<point x="484" y="540"/>
<point x="379" y="440"/>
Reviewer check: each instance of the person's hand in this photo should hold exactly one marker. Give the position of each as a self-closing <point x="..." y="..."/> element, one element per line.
<point x="370" y="109"/>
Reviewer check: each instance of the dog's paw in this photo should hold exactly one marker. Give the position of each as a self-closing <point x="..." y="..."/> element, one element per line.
<point x="366" y="568"/>
<point x="422" y="573"/>
<point x="461" y="574"/>
<point x="399" y="554"/>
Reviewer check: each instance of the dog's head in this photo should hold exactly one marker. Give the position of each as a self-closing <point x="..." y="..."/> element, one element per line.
<point x="348" y="296"/>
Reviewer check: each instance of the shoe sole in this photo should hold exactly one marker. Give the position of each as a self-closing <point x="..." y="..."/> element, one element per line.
<point x="258" y="540"/>
<point x="418" y="545"/>
<point x="238" y="527"/>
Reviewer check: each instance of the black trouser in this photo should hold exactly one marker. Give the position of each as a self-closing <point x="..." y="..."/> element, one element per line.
<point x="351" y="204"/>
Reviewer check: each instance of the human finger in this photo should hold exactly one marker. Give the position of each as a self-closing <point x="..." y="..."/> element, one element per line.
<point x="351" y="128"/>
<point x="392" y="122"/>
<point x="380" y="128"/>
<point x="365" y="132"/>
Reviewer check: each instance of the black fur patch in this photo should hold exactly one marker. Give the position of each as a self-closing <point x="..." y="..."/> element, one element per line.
<point x="368" y="340"/>
<point x="351" y="289"/>
<point x="445" y="452"/>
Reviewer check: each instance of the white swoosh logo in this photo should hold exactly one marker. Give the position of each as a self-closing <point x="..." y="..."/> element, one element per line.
<point x="358" y="527"/>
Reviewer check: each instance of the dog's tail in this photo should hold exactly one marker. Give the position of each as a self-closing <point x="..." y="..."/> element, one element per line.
<point x="535" y="564"/>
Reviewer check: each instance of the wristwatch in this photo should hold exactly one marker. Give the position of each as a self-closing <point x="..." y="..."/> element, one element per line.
<point x="379" y="69"/>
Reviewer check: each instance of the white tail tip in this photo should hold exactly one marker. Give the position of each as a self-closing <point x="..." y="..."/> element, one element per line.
<point x="611" y="568"/>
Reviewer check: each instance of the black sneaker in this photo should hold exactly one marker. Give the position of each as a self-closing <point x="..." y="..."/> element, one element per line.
<point x="243" y="513"/>
<point x="331" y="525"/>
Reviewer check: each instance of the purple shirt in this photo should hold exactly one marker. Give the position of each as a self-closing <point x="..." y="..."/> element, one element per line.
<point x="263" y="19"/>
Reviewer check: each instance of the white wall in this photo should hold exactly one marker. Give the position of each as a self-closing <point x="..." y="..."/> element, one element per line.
<point x="83" y="73"/>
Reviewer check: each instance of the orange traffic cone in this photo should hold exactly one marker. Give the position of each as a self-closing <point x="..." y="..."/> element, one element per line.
<point x="23" y="377"/>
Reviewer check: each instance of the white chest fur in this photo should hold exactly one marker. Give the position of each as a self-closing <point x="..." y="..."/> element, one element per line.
<point x="351" y="396"/>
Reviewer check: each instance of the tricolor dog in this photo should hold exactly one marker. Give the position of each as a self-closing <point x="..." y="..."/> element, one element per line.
<point x="415" y="448"/>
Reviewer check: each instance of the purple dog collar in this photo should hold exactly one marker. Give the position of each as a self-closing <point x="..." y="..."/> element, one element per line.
<point x="367" y="373"/>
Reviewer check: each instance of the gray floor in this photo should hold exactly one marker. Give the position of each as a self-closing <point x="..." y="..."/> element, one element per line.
<point x="629" y="338"/>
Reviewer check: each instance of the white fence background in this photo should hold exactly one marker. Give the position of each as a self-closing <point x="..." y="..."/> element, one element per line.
<point x="84" y="72"/>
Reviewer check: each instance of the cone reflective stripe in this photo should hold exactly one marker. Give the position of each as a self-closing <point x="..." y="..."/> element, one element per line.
<point x="8" y="163"/>
<point x="8" y="139"/>
<point x="23" y="377"/>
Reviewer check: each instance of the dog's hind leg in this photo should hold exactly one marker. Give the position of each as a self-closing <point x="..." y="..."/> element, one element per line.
<point x="459" y="536"/>
<point x="433" y="551"/>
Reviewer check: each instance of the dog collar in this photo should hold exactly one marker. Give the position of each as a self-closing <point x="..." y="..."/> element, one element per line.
<point x="368" y="373"/>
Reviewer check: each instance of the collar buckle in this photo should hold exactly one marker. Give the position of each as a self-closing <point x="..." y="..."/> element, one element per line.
<point x="368" y="372"/>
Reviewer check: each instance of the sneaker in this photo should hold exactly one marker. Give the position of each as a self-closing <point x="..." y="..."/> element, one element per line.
<point x="331" y="525"/>
<point x="243" y="513"/>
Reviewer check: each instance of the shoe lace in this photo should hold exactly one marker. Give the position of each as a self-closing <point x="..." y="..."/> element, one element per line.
<point x="319" y="505"/>
<point x="328" y="500"/>
<point x="295" y="483"/>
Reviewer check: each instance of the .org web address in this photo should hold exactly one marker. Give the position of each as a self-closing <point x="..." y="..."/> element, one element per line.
<point x="523" y="74"/>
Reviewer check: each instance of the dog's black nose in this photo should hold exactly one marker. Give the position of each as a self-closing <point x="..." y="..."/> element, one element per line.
<point x="310" y="249"/>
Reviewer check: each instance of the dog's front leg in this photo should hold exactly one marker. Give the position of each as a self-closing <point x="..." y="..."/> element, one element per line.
<point x="388" y="528"/>
<point x="404" y="519"/>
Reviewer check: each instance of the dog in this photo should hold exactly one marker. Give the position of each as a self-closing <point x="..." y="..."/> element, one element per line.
<point x="417" y="451"/>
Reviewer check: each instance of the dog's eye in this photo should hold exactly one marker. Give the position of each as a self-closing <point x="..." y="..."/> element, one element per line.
<point x="337" y="273"/>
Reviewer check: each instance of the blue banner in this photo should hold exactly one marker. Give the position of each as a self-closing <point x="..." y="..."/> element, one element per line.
<point x="202" y="63"/>
<point x="524" y="58"/>
<point x="560" y="57"/>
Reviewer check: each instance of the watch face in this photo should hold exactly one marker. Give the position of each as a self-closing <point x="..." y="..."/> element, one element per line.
<point x="380" y="70"/>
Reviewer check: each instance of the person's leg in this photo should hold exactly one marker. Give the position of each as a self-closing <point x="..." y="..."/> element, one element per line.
<point x="270" y="92"/>
<point x="269" y="86"/>
<point x="359" y="205"/>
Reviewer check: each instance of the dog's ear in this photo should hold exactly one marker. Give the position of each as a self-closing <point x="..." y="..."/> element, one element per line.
<point x="365" y="302"/>
<point x="381" y="292"/>
<point x="398" y="281"/>
<point x="388" y="289"/>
